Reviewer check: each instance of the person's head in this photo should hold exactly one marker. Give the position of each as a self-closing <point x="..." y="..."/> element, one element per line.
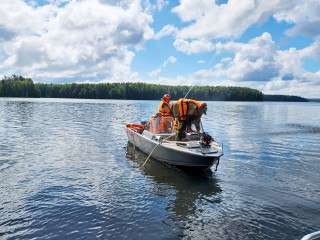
<point x="203" y="109"/>
<point x="166" y="97"/>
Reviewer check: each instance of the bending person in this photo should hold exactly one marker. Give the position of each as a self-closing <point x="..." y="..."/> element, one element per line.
<point x="186" y="111"/>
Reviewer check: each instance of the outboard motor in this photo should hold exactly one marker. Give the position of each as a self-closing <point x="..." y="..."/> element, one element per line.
<point x="206" y="139"/>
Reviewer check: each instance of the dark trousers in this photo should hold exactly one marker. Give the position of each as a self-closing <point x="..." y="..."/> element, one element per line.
<point x="182" y="124"/>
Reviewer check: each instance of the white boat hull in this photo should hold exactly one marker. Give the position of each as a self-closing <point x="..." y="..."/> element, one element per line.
<point x="182" y="154"/>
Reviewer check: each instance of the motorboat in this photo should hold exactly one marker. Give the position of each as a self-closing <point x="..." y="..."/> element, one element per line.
<point x="157" y="137"/>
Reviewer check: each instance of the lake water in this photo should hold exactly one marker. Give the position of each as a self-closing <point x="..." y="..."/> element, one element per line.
<point x="68" y="172"/>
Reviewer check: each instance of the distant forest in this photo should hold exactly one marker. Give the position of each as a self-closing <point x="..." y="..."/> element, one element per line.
<point x="18" y="86"/>
<point x="284" y="98"/>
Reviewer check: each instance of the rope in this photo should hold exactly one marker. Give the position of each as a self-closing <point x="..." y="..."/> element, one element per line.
<point x="154" y="149"/>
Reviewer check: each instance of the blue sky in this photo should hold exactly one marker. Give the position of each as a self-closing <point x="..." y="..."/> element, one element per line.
<point x="272" y="46"/>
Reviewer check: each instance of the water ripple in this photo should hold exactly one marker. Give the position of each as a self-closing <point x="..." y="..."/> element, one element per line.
<point x="68" y="172"/>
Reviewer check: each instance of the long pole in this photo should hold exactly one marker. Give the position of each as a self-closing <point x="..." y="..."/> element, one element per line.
<point x="188" y="92"/>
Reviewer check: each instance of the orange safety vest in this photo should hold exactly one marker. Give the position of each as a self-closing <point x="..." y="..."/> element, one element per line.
<point x="183" y="107"/>
<point x="161" y="109"/>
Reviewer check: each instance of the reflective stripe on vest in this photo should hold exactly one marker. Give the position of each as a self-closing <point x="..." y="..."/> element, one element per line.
<point x="183" y="107"/>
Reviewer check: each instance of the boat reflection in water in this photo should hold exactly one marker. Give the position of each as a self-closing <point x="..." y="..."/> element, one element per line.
<point x="186" y="194"/>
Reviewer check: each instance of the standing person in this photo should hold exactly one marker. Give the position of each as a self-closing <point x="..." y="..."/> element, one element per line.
<point x="165" y="110"/>
<point x="165" y="106"/>
<point x="187" y="111"/>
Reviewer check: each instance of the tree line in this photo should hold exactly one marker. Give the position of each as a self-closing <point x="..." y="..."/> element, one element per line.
<point x="284" y="98"/>
<point x="18" y="86"/>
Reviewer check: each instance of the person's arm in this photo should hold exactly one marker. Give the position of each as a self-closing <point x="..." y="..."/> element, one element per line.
<point x="171" y="109"/>
<point x="197" y="124"/>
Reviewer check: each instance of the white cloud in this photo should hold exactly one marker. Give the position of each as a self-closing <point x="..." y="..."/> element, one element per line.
<point x="212" y="21"/>
<point x="309" y="29"/>
<point x="165" y="31"/>
<point x="294" y="87"/>
<point x="209" y="20"/>
<point x="179" y="81"/>
<point x="153" y="6"/>
<point x="26" y="19"/>
<point x="260" y="64"/>
<point x="219" y="21"/>
<point x="81" y="38"/>
<point x="292" y="60"/>
<point x="161" y="4"/>
<point x="171" y="59"/>
<point x="155" y="72"/>
<point x="299" y="12"/>
<point x="57" y="2"/>
<point x="195" y="46"/>
<point x="306" y="17"/>
<point x="253" y="61"/>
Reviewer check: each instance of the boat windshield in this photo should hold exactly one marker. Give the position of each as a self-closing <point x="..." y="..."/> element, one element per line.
<point x="162" y="125"/>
